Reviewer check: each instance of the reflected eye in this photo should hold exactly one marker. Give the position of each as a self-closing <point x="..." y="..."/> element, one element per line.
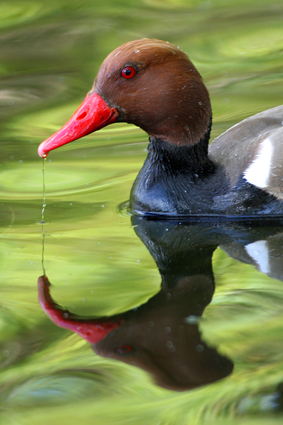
<point x="128" y="72"/>
<point x="124" y="349"/>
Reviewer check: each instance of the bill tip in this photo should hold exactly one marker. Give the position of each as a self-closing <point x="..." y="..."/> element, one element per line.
<point x="41" y="152"/>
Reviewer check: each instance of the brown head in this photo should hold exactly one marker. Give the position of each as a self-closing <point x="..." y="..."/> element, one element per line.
<point x="149" y="83"/>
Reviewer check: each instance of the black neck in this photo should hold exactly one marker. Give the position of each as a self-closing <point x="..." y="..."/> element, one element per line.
<point x="188" y="159"/>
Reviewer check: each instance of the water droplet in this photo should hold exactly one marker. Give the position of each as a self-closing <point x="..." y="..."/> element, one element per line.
<point x="199" y="348"/>
<point x="66" y="315"/>
<point x="200" y="103"/>
<point x="168" y="330"/>
<point x="170" y="346"/>
<point x="192" y="319"/>
<point x="136" y="51"/>
<point x="138" y="261"/>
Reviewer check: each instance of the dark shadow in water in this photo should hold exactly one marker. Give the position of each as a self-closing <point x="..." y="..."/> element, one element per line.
<point x="162" y="336"/>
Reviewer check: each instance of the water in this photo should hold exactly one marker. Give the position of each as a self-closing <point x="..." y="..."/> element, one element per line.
<point x="95" y="260"/>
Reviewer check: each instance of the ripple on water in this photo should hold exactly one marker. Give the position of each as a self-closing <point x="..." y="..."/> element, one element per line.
<point x="62" y="179"/>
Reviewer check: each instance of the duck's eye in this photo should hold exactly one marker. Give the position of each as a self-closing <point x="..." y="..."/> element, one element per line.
<point x="128" y="72"/>
<point x="124" y="349"/>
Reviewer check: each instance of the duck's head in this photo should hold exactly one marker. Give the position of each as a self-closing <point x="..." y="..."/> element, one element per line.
<point x="149" y="83"/>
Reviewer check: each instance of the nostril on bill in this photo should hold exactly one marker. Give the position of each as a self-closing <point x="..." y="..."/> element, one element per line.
<point x="82" y="116"/>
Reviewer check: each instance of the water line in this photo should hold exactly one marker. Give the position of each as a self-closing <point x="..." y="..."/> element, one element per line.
<point x="42" y="216"/>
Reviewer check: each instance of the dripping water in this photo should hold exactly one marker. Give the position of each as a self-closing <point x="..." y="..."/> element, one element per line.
<point x="42" y="216"/>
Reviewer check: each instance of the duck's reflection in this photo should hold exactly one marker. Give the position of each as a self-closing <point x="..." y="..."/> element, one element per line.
<point x="162" y="336"/>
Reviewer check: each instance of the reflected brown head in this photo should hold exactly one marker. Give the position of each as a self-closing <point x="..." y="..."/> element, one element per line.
<point x="166" y="96"/>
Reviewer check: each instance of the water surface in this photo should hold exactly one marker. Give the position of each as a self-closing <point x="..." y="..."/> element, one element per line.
<point x="98" y="264"/>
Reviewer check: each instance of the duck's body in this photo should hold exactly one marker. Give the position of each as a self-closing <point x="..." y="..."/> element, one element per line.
<point x="174" y="181"/>
<point x="154" y="85"/>
<point x="253" y="151"/>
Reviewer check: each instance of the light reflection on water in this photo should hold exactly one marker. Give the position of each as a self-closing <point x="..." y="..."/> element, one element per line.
<point x="50" y="54"/>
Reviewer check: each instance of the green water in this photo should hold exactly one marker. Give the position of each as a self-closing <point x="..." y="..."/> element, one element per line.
<point x="50" y="52"/>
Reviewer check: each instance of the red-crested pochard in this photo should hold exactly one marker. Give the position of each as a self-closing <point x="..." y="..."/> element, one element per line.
<point x="154" y="85"/>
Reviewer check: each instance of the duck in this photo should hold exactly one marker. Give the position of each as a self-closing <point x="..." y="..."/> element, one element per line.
<point x="162" y="335"/>
<point x="154" y="85"/>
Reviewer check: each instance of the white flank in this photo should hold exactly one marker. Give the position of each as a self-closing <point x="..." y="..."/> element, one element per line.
<point x="258" y="251"/>
<point x="258" y="172"/>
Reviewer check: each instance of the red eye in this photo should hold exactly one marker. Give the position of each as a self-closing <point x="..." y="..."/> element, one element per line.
<point x="128" y="72"/>
<point x="125" y="349"/>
